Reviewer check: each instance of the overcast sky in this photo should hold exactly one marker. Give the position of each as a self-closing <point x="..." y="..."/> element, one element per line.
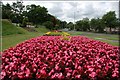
<point x="64" y="10"/>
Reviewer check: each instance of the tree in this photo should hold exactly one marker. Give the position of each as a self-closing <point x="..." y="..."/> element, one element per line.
<point x="63" y="24"/>
<point x="117" y="23"/>
<point x="70" y="25"/>
<point x="109" y="19"/>
<point x="37" y="14"/>
<point x="57" y="24"/>
<point x="16" y="12"/>
<point x="97" y="25"/>
<point x="100" y="25"/>
<point x="79" y="25"/>
<point x="93" y="24"/>
<point x="24" y="22"/>
<point x="83" y="25"/>
<point x="6" y="11"/>
<point x="48" y="25"/>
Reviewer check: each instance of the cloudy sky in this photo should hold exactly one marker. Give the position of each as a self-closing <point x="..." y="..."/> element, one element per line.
<point x="65" y="10"/>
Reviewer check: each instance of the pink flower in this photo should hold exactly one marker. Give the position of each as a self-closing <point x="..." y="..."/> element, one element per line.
<point x="3" y="74"/>
<point x="52" y="71"/>
<point x="22" y="67"/>
<point x="114" y="75"/>
<point x="68" y="74"/>
<point x="53" y="58"/>
<point x="91" y="69"/>
<point x="56" y="67"/>
<point x="27" y="72"/>
<point x="93" y="74"/>
<point x="77" y="76"/>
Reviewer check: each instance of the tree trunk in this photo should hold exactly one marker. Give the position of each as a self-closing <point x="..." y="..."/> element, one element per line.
<point x="110" y="29"/>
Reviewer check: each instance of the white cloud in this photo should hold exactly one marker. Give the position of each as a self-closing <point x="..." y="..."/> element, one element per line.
<point x="64" y="10"/>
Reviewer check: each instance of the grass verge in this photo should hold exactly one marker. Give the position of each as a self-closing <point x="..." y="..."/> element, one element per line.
<point x="112" y="39"/>
<point x="12" y="40"/>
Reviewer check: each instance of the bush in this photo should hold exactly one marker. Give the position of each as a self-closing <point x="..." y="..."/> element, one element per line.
<point x="24" y="22"/>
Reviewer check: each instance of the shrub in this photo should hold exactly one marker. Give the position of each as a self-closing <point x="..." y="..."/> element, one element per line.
<point x="24" y="22"/>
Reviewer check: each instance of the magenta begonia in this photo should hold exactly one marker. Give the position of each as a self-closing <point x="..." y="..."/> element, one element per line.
<point x="50" y="57"/>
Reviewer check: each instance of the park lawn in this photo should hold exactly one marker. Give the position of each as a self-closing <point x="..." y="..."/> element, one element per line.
<point x="12" y="35"/>
<point x="12" y="40"/>
<point x="112" y="39"/>
<point x="41" y="29"/>
<point x="9" y="29"/>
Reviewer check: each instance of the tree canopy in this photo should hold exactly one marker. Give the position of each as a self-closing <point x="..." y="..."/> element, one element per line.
<point x="110" y="19"/>
<point x="37" y="15"/>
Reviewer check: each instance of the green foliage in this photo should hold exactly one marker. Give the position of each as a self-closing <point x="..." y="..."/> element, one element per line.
<point x="93" y="24"/>
<point x="24" y="22"/>
<point x="8" y="28"/>
<point x="70" y="25"/>
<point x="41" y="29"/>
<point x="118" y="23"/>
<point x="97" y="25"/>
<point x="17" y="11"/>
<point x="110" y="19"/>
<point x="62" y="24"/>
<point x="6" y="9"/>
<point x="83" y="25"/>
<point x="48" y="25"/>
<point x="37" y="14"/>
<point x="79" y="25"/>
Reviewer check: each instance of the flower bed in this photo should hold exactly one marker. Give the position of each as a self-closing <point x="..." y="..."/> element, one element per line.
<point x="50" y="57"/>
<point x="56" y="33"/>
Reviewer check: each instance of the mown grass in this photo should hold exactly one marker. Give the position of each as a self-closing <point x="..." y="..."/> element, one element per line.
<point x="41" y="29"/>
<point x="12" y="40"/>
<point x="12" y="35"/>
<point x="8" y="28"/>
<point x="112" y="39"/>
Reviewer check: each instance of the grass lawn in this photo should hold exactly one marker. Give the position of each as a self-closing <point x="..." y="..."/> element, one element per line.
<point x="112" y="39"/>
<point x="12" y="35"/>
<point x="9" y="29"/>
<point x="12" y="40"/>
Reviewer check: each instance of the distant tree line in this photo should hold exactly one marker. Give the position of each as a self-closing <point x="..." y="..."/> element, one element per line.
<point x="108" y="21"/>
<point x="37" y="15"/>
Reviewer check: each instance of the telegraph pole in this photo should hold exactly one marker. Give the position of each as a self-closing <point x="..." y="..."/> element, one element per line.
<point x="74" y="15"/>
<point x="74" y="20"/>
<point x="119" y="10"/>
<point x="119" y="18"/>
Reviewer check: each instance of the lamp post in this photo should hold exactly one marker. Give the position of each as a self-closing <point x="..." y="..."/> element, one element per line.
<point x="74" y="20"/>
<point x="74" y="16"/>
<point x="119" y="10"/>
